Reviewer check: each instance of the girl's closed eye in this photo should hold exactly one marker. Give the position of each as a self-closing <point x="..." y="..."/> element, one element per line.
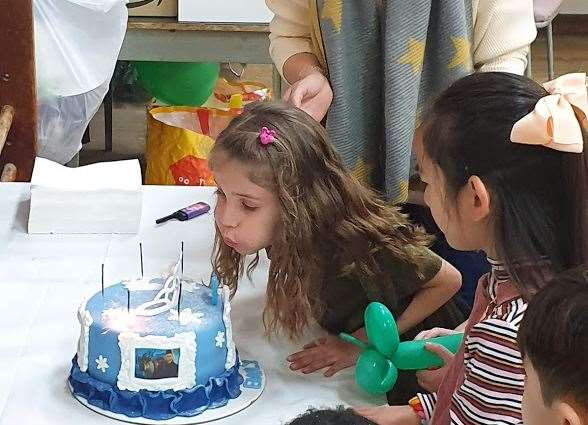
<point x="248" y="206"/>
<point x="219" y="192"/>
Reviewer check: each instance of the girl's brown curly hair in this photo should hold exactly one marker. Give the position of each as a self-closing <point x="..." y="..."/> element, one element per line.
<point x="326" y="215"/>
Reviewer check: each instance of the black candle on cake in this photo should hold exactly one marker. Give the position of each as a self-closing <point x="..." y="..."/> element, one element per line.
<point x="141" y="256"/>
<point x="179" y="299"/>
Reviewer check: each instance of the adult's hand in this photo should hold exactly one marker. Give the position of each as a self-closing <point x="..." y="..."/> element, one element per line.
<point x="312" y="94"/>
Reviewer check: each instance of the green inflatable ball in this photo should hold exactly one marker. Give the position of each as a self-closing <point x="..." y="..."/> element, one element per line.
<point x="178" y="83"/>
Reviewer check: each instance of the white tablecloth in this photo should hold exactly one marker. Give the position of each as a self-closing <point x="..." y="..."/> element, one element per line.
<point x="43" y="278"/>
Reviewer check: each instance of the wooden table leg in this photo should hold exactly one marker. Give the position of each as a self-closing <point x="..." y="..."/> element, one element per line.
<point x="18" y="85"/>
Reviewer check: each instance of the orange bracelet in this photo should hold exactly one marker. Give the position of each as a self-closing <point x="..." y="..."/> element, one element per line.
<point x="417" y="408"/>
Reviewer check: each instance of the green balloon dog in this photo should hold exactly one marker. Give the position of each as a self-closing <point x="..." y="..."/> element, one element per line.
<point x="378" y="364"/>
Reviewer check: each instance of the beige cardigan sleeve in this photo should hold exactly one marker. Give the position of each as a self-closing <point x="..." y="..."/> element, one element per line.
<point x="503" y="31"/>
<point x="289" y="30"/>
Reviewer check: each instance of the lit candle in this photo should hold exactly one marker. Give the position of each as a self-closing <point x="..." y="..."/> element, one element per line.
<point x="118" y="319"/>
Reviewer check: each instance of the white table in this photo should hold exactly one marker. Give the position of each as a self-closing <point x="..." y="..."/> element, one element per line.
<point x="43" y="279"/>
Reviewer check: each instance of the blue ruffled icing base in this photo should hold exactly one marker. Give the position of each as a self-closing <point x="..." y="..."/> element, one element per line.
<point x="158" y="405"/>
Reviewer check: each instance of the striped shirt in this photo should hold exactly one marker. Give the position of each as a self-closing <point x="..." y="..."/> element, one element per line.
<point x="491" y="391"/>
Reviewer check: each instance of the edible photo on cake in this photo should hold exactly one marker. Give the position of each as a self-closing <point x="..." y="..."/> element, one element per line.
<point x="156" y="364"/>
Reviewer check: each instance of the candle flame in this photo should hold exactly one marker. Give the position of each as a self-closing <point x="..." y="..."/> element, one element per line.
<point x="119" y="319"/>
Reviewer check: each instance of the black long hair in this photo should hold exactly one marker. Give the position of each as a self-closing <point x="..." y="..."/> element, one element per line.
<point x="538" y="194"/>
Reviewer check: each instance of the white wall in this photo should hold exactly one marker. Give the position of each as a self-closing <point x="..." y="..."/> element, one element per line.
<point x="575" y="6"/>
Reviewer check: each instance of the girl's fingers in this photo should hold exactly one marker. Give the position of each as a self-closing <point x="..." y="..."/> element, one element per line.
<point x="338" y="366"/>
<point x="317" y="365"/>
<point x="300" y="364"/>
<point x="443" y="353"/>
<point x="300" y="355"/>
<point x="421" y="335"/>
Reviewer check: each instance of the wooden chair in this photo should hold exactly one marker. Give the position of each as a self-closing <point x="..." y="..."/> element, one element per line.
<point x="18" y="105"/>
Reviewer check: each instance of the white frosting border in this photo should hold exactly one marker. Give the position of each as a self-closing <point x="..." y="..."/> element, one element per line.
<point x="86" y="321"/>
<point x="231" y="349"/>
<point x="129" y="341"/>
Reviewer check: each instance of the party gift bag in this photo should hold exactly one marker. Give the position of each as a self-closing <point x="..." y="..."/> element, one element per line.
<point x="179" y="138"/>
<point x="250" y="91"/>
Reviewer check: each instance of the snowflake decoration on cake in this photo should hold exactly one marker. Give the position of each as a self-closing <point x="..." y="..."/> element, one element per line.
<point x="220" y="339"/>
<point x="102" y="363"/>
<point x="186" y="316"/>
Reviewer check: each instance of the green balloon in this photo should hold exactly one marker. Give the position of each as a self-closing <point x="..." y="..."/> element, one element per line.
<point x="178" y="83"/>
<point x="374" y="373"/>
<point x="381" y="329"/>
<point x="412" y="355"/>
<point x="378" y="364"/>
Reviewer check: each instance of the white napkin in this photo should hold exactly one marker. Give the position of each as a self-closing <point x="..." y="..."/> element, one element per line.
<point x="97" y="198"/>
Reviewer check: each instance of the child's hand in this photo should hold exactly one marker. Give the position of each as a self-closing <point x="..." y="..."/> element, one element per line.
<point x="431" y="379"/>
<point x="435" y="332"/>
<point x="389" y="415"/>
<point x="327" y="352"/>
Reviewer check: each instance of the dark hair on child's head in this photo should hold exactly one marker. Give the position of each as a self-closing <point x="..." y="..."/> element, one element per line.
<point x="537" y="193"/>
<point x="327" y="217"/>
<point x="337" y="416"/>
<point x="553" y="337"/>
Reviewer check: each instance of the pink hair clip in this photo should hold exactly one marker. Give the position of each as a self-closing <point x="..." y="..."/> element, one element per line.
<point x="267" y="136"/>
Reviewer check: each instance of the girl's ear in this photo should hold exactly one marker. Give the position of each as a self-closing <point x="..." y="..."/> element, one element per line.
<point x="477" y="199"/>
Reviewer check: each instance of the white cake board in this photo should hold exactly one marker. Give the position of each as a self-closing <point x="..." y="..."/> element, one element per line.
<point x="247" y="398"/>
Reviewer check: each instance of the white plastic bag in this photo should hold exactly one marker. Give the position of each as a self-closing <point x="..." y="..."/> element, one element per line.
<point x="77" y="43"/>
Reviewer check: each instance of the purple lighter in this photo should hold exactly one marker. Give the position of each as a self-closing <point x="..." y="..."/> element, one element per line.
<point x="187" y="213"/>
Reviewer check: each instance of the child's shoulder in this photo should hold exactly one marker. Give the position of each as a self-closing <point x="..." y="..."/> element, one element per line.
<point x="417" y="264"/>
<point x="497" y="307"/>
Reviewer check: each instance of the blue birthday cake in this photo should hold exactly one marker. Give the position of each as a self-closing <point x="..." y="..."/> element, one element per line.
<point x="156" y="349"/>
